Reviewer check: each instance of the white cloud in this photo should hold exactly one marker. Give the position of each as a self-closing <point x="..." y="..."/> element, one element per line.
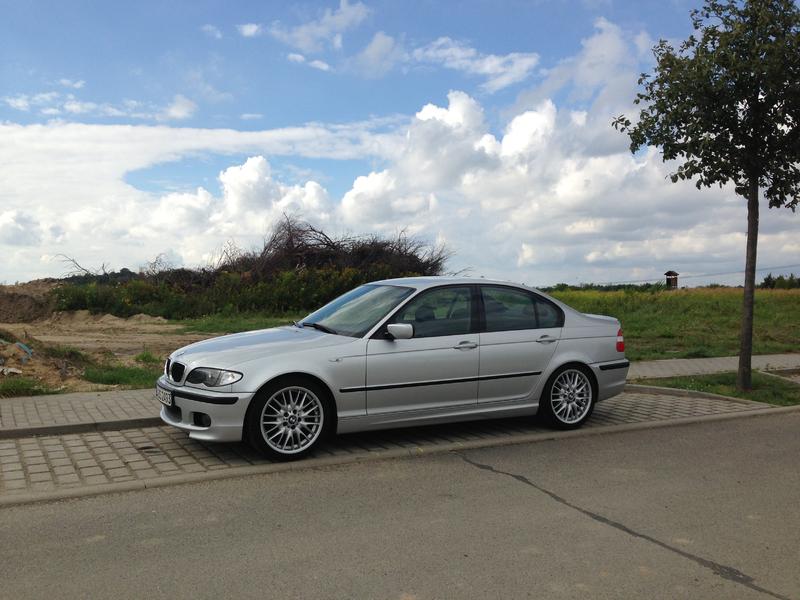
<point x="24" y="102"/>
<point x="197" y="78"/>
<point x="551" y="194"/>
<point x="533" y="205"/>
<point x="250" y="29"/>
<point x="212" y="31"/>
<point x="311" y="37"/>
<point x="54" y="104"/>
<point x="319" y="65"/>
<point x="71" y="83"/>
<point x="380" y="56"/>
<point x="500" y="71"/>
<point x="69" y="179"/>
<point x="314" y="64"/>
<point x="20" y="102"/>
<point x="181" y="108"/>
<point x="251" y="116"/>
<point x="77" y="108"/>
<point x="18" y="229"/>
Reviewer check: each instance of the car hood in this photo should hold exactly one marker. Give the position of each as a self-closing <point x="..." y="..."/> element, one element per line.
<point x="231" y="350"/>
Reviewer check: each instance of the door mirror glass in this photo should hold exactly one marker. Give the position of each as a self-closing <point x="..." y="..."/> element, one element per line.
<point x="400" y="331"/>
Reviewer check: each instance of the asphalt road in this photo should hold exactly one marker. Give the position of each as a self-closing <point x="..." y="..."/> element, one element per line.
<point x="698" y="511"/>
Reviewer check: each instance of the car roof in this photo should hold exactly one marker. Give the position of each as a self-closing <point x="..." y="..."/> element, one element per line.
<point x="422" y="283"/>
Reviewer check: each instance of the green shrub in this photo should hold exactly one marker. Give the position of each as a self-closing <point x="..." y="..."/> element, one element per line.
<point x="67" y="353"/>
<point x="295" y="291"/>
<point x="147" y="358"/>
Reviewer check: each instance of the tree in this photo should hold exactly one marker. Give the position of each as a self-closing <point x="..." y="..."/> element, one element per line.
<point x="726" y="106"/>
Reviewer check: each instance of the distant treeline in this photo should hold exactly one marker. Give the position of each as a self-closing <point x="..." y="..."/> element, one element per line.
<point x="780" y="282"/>
<point x="612" y="287"/>
<point x="299" y="268"/>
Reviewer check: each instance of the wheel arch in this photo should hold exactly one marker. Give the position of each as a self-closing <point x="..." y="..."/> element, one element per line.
<point x="564" y="365"/>
<point x="331" y="399"/>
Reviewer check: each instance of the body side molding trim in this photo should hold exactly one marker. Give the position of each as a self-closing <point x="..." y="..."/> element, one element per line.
<point x="392" y="386"/>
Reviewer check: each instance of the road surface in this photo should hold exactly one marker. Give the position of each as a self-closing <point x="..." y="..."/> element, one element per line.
<point x="698" y="511"/>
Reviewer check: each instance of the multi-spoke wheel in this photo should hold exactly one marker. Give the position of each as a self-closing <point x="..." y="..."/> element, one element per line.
<point x="287" y="419"/>
<point x="568" y="397"/>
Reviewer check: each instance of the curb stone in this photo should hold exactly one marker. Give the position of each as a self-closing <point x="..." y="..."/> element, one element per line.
<point x="776" y="376"/>
<point x="665" y="391"/>
<point x="369" y="456"/>
<point x="22" y="432"/>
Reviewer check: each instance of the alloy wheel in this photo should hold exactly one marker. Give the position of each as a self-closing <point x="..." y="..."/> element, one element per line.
<point x="571" y="396"/>
<point x="291" y="420"/>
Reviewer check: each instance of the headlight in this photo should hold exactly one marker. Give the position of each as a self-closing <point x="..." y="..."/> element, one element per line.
<point x="213" y="377"/>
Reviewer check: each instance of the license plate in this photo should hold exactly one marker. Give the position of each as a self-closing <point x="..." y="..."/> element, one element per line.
<point x="164" y="396"/>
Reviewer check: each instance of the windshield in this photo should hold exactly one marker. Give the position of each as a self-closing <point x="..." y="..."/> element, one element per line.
<point x="359" y="310"/>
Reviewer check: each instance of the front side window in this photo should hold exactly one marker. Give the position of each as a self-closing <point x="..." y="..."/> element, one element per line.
<point x="439" y="312"/>
<point x="359" y="310"/>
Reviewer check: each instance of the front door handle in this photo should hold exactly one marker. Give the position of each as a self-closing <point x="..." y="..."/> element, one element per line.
<point x="546" y="339"/>
<point x="465" y="346"/>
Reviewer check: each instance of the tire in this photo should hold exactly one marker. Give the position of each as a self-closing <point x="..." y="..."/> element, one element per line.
<point x="568" y="397"/>
<point x="288" y="418"/>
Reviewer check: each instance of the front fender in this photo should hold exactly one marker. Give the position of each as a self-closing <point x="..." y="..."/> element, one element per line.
<point x="336" y="366"/>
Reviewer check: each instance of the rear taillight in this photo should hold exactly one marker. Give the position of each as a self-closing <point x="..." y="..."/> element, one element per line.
<point x="620" y="342"/>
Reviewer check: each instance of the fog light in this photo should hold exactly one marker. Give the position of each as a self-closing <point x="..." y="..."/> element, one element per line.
<point x="201" y="419"/>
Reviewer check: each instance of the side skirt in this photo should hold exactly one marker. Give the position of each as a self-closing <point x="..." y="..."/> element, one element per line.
<point x="471" y="412"/>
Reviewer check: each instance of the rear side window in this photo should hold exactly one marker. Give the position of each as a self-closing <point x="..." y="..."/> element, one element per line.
<point x="548" y="314"/>
<point x="508" y="309"/>
<point x="439" y="312"/>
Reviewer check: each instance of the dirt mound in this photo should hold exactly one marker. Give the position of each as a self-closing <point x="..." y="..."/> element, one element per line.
<point x="146" y="319"/>
<point x="110" y="320"/>
<point x="22" y="308"/>
<point x="72" y="317"/>
<point x="80" y="318"/>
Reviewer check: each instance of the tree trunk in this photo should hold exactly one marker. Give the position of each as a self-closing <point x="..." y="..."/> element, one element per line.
<point x="744" y="376"/>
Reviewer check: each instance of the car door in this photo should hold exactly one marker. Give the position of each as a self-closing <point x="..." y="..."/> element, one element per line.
<point x="438" y="366"/>
<point x="519" y="336"/>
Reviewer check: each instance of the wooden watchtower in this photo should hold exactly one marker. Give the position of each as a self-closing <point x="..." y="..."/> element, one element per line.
<point x="672" y="280"/>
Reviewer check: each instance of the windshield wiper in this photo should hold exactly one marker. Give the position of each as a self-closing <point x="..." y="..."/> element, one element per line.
<point x="320" y="327"/>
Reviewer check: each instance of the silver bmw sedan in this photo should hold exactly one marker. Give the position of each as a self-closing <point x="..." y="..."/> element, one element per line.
<point x="396" y="353"/>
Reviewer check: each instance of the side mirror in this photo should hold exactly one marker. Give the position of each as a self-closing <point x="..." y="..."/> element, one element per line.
<point x="400" y="331"/>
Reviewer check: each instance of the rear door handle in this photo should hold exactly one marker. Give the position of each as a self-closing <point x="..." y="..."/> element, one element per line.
<point x="465" y="346"/>
<point x="546" y="339"/>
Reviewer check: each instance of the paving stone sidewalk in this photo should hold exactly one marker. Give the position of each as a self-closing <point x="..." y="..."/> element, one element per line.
<point x="59" y="464"/>
<point x="674" y="367"/>
<point x="137" y="408"/>
<point x="52" y="413"/>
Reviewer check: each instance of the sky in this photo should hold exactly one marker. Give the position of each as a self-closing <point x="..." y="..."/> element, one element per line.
<point x="130" y="130"/>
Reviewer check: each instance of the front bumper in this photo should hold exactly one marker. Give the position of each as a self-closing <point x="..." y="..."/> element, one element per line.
<point x="226" y="411"/>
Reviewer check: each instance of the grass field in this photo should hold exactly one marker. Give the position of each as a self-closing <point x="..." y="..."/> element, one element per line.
<point x="765" y="388"/>
<point x="23" y="386"/>
<point x="694" y="323"/>
<point x="135" y="377"/>
<point x="688" y="323"/>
